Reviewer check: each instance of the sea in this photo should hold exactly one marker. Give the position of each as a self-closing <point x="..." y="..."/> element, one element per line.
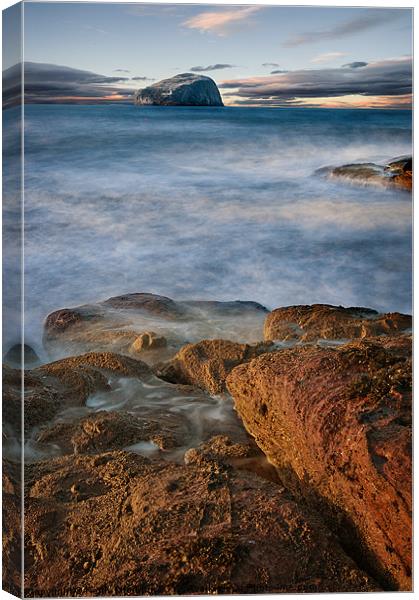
<point x="202" y="203"/>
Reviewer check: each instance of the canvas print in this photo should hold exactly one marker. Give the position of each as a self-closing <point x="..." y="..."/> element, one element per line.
<point x="207" y="264"/>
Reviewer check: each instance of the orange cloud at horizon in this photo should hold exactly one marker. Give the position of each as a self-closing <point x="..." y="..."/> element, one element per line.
<point x="359" y="101"/>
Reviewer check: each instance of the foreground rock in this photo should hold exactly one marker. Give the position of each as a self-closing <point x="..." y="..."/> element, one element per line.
<point x="396" y="173"/>
<point x="12" y="527"/>
<point x="149" y="326"/>
<point x="110" y="430"/>
<point x="307" y="323"/>
<point x="63" y="383"/>
<point x="161" y="528"/>
<point x="186" y="89"/>
<point x="337" y="424"/>
<point x="245" y="456"/>
<point x="208" y="363"/>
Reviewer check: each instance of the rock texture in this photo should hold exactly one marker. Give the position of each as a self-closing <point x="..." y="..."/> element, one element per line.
<point x="118" y="524"/>
<point x="243" y="456"/>
<point x="12" y="527"/>
<point x="186" y="89"/>
<point x="62" y="383"/>
<point x="111" y="430"/>
<point x="400" y="171"/>
<point x="208" y="363"/>
<point x="396" y="173"/>
<point x="307" y="323"/>
<point x="135" y="324"/>
<point x="337" y="424"/>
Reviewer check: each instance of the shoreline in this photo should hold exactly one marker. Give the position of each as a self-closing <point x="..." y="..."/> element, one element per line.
<point x="147" y="392"/>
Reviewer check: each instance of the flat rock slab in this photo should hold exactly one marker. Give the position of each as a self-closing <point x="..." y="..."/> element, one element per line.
<point x="308" y="323"/>
<point x="122" y="323"/>
<point x="119" y="524"/>
<point x="336" y="422"/>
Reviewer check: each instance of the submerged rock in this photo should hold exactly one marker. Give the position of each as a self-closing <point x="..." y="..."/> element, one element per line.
<point x="396" y="173"/>
<point x="307" y="323"/>
<point x="336" y="422"/>
<point x="148" y="341"/>
<point x="186" y="89"/>
<point x="14" y="355"/>
<point x="122" y="323"/>
<point x="117" y="524"/>
<point x="63" y="383"/>
<point x="208" y="363"/>
<point x="41" y="400"/>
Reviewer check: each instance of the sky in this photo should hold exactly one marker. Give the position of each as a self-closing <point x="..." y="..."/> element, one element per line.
<point x="257" y="55"/>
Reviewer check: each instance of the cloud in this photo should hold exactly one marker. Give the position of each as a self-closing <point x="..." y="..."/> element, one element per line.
<point x="121" y="71"/>
<point x="219" y="22"/>
<point x="142" y="78"/>
<point x="215" y="67"/>
<point x="390" y="78"/>
<point x="370" y="19"/>
<point x="355" y="65"/>
<point x="277" y="71"/>
<point x="270" y="65"/>
<point x="97" y="29"/>
<point x="327" y="57"/>
<point x="46" y="83"/>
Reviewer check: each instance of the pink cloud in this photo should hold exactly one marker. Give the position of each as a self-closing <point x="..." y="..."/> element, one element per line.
<point x="219" y="22"/>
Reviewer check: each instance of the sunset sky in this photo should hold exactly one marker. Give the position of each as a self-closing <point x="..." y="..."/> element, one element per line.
<point x="258" y="55"/>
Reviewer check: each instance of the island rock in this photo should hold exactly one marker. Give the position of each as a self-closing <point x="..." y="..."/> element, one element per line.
<point x="185" y="89"/>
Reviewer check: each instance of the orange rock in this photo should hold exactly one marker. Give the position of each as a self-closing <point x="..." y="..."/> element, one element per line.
<point x="336" y="422"/>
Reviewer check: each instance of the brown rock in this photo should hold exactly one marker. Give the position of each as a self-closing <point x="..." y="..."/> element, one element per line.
<point x="400" y="172"/>
<point x="84" y="374"/>
<point x="152" y="304"/>
<point x="138" y="528"/>
<point x="222" y="449"/>
<point x="41" y="399"/>
<point x="207" y="363"/>
<point x="116" y="324"/>
<point x="110" y="430"/>
<point x="337" y="424"/>
<point x="148" y="341"/>
<point x="12" y="528"/>
<point x="65" y="382"/>
<point x="396" y="173"/>
<point x="307" y="323"/>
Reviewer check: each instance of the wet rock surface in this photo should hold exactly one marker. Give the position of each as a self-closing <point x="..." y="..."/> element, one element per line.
<point x="208" y="363"/>
<point x="307" y="323"/>
<point x="396" y="173"/>
<point x="161" y="528"/>
<point x="110" y="430"/>
<point x="336" y="422"/>
<point x="119" y="323"/>
<point x="21" y="354"/>
<point x="55" y="386"/>
<point x="138" y="466"/>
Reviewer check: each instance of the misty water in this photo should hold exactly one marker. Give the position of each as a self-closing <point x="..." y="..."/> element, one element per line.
<point x="203" y="203"/>
<point x="211" y="203"/>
